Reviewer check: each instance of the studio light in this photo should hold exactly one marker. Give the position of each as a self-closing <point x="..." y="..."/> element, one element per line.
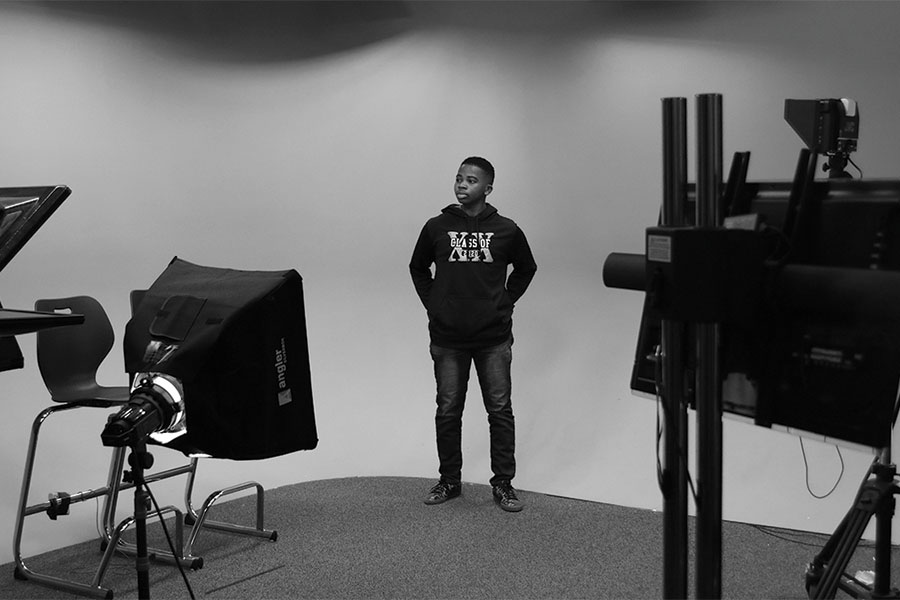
<point x="155" y="410"/>
<point x="221" y="365"/>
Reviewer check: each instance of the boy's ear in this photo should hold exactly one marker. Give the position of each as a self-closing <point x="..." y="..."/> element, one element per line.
<point x="488" y="189"/>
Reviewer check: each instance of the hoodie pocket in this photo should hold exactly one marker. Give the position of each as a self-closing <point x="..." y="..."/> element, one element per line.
<point x="465" y="316"/>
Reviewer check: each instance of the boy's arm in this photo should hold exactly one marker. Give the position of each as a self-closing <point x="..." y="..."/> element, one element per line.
<point x="524" y="268"/>
<point x="420" y="266"/>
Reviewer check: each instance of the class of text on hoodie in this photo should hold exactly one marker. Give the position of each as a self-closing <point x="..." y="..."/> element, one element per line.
<point x="469" y="298"/>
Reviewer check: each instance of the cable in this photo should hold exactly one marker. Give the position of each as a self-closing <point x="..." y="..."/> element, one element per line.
<point x="687" y="471"/>
<point x="657" y="364"/>
<point x="660" y="431"/>
<point x="806" y="468"/>
<point x="850" y="160"/>
<point x="777" y="534"/>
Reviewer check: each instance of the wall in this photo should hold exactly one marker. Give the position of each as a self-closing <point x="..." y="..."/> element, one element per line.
<point x="292" y="135"/>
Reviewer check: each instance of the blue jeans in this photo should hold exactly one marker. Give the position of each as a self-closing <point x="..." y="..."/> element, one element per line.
<point x="451" y="373"/>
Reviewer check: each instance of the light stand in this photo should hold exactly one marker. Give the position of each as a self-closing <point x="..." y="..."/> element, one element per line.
<point x="155" y="405"/>
<point x="140" y="460"/>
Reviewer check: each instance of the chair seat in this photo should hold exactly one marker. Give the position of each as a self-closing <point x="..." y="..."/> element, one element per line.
<point x="93" y="396"/>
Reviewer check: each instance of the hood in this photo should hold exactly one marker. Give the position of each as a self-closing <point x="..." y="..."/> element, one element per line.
<point x="457" y="211"/>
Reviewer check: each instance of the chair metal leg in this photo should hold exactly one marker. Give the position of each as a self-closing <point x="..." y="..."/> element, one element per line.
<point x="199" y="519"/>
<point x="111" y="500"/>
<point x="111" y="539"/>
<point x="94" y="589"/>
<point x="116" y="485"/>
<point x="117" y="543"/>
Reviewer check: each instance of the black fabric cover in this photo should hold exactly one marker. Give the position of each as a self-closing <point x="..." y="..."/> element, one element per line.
<point x="237" y="341"/>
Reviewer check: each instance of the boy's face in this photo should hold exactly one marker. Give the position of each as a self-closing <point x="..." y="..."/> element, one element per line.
<point x="472" y="185"/>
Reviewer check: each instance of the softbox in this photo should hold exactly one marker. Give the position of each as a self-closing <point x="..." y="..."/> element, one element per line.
<point x="236" y="341"/>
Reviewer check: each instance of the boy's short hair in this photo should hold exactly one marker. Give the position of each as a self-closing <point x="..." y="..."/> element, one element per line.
<point x="481" y="163"/>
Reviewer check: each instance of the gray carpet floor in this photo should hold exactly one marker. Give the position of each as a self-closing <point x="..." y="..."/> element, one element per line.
<point x="373" y="537"/>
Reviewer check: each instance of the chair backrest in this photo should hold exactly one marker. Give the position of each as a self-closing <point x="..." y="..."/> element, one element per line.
<point x="68" y="357"/>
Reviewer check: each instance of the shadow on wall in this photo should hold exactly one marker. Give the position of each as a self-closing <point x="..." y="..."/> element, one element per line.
<point x="248" y="31"/>
<point x="548" y="16"/>
<point x="244" y="31"/>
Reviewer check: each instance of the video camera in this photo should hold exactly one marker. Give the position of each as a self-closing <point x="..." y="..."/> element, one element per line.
<point x="803" y="278"/>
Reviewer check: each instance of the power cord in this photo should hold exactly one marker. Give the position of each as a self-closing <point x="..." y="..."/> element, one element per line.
<point x="660" y="429"/>
<point x="806" y="468"/>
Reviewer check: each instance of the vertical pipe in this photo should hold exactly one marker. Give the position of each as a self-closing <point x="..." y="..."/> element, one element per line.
<point x="674" y="480"/>
<point x="708" y="389"/>
<point x="709" y="160"/>
<point x="884" y="514"/>
<point x="674" y="161"/>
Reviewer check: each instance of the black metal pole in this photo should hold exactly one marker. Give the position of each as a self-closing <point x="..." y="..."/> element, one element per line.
<point x="886" y="471"/>
<point x="708" y="390"/>
<point x="674" y="480"/>
<point x="139" y="460"/>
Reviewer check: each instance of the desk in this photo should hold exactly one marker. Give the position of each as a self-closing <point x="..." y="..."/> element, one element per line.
<point x="17" y="322"/>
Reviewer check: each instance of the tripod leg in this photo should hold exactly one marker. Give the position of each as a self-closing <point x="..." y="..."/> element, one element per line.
<point x="883" y="517"/>
<point x="814" y="570"/>
<point x="883" y="548"/>
<point x="834" y="570"/>
<point x="826" y="572"/>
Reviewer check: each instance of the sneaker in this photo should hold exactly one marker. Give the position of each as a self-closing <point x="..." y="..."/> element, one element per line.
<point x="442" y="492"/>
<point x="505" y="496"/>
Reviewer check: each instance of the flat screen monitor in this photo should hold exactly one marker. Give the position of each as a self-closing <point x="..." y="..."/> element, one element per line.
<point x="22" y="212"/>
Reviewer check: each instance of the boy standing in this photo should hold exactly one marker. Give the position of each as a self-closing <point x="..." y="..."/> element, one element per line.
<point x="470" y="302"/>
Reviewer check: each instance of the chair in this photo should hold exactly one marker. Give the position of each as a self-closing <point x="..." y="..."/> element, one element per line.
<point x="68" y="359"/>
<point x="71" y="379"/>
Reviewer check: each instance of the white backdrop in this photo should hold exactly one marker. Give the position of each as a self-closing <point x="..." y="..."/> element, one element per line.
<point x="323" y="144"/>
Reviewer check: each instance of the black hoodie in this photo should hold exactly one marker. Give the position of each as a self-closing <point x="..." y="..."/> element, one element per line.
<point x="470" y="299"/>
